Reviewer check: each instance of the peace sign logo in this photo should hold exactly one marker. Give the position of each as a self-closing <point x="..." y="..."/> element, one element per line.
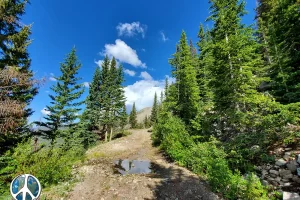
<point x="25" y="187"/>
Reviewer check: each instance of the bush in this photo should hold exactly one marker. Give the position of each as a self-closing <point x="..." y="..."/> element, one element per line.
<point x="207" y="159"/>
<point x="50" y="165"/>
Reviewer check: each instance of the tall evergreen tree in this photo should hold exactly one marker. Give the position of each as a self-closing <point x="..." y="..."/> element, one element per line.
<point x="64" y="106"/>
<point x="166" y="87"/>
<point x="133" y="117"/>
<point x="279" y="25"/>
<point x="93" y="106"/>
<point x="186" y="81"/>
<point x="14" y="57"/>
<point x="124" y="117"/>
<point x="154" y="111"/>
<point x="236" y="70"/>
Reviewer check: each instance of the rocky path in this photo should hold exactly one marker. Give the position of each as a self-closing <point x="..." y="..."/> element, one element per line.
<point x="169" y="181"/>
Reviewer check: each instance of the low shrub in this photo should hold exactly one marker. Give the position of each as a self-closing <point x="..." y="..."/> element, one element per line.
<point x="50" y="165"/>
<point x="207" y="159"/>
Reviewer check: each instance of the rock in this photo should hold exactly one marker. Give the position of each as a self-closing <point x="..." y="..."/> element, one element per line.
<point x="284" y="172"/>
<point x="280" y="162"/>
<point x="264" y="182"/>
<point x="298" y="171"/>
<point x="289" y="176"/>
<point x="296" y="179"/>
<point x="272" y="171"/>
<point x="287" y="184"/>
<point x="285" y="180"/>
<point x="288" y="153"/>
<point x="278" y="179"/>
<point x="255" y="148"/>
<point x="292" y="166"/>
<point x="286" y="157"/>
<point x="273" y="175"/>
<point x="290" y="196"/>
<point x="270" y="179"/>
<point x="287" y="149"/>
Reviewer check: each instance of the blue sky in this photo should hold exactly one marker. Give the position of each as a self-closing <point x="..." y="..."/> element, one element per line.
<point x="141" y="34"/>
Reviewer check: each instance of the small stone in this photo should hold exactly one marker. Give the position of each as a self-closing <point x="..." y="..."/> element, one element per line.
<point x="292" y="166"/>
<point x="286" y="157"/>
<point x="289" y="176"/>
<point x="298" y="171"/>
<point x="296" y="179"/>
<point x="272" y="171"/>
<point x="278" y="179"/>
<point x="285" y="180"/>
<point x="287" y="184"/>
<point x="280" y="162"/>
<point x="288" y="153"/>
<point x="290" y="196"/>
<point x="273" y="175"/>
<point x="287" y="149"/>
<point x="284" y="172"/>
<point x="264" y="182"/>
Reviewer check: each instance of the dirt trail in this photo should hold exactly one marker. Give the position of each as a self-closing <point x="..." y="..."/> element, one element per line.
<point x="168" y="182"/>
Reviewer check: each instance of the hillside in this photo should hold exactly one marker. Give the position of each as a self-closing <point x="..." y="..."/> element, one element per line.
<point x="142" y="114"/>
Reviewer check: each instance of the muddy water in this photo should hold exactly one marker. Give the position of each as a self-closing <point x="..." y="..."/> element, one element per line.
<point x="132" y="167"/>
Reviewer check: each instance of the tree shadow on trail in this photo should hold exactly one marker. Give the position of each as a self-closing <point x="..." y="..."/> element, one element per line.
<point x="178" y="184"/>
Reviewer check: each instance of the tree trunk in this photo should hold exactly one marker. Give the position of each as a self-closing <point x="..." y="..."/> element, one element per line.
<point x="111" y="133"/>
<point x="105" y="135"/>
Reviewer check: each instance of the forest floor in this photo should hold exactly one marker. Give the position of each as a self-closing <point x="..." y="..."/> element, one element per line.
<point x="168" y="181"/>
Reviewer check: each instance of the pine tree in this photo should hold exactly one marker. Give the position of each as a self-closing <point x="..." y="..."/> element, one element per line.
<point x="186" y="81"/>
<point x="166" y="87"/>
<point x="116" y="95"/>
<point x="154" y="111"/>
<point x="205" y="63"/>
<point x="104" y="97"/>
<point x="124" y="117"/>
<point x="93" y="106"/>
<point x="146" y="122"/>
<point x="14" y="58"/>
<point x="236" y="71"/>
<point x="279" y="25"/>
<point x="64" y="108"/>
<point x="133" y="117"/>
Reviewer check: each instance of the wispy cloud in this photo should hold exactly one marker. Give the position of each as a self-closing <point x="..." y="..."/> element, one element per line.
<point x="51" y="78"/>
<point x="86" y="84"/>
<point x="163" y="36"/>
<point x="146" y="76"/>
<point x="123" y="53"/>
<point x="129" y="72"/>
<point x="99" y="63"/>
<point x="44" y="111"/>
<point x="130" y="30"/>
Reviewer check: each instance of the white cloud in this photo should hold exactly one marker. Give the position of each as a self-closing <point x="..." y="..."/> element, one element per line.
<point x="123" y="53"/>
<point x="99" y="63"/>
<point x="132" y="29"/>
<point x="86" y="84"/>
<point x="146" y="76"/>
<point x="45" y="111"/>
<point x="52" y="79"/>
<point x="142" y="93"/>
<point x="129" y="72"/>
<point x="163" y="36"/>
<point x="143" y="50"/>
<point x="170" y="79"/>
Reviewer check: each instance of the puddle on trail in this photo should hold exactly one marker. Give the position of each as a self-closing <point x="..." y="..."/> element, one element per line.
<point x="132" y="167"/>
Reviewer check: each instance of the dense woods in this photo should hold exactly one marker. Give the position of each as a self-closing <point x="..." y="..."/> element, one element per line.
<point x="236" y="95"/>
